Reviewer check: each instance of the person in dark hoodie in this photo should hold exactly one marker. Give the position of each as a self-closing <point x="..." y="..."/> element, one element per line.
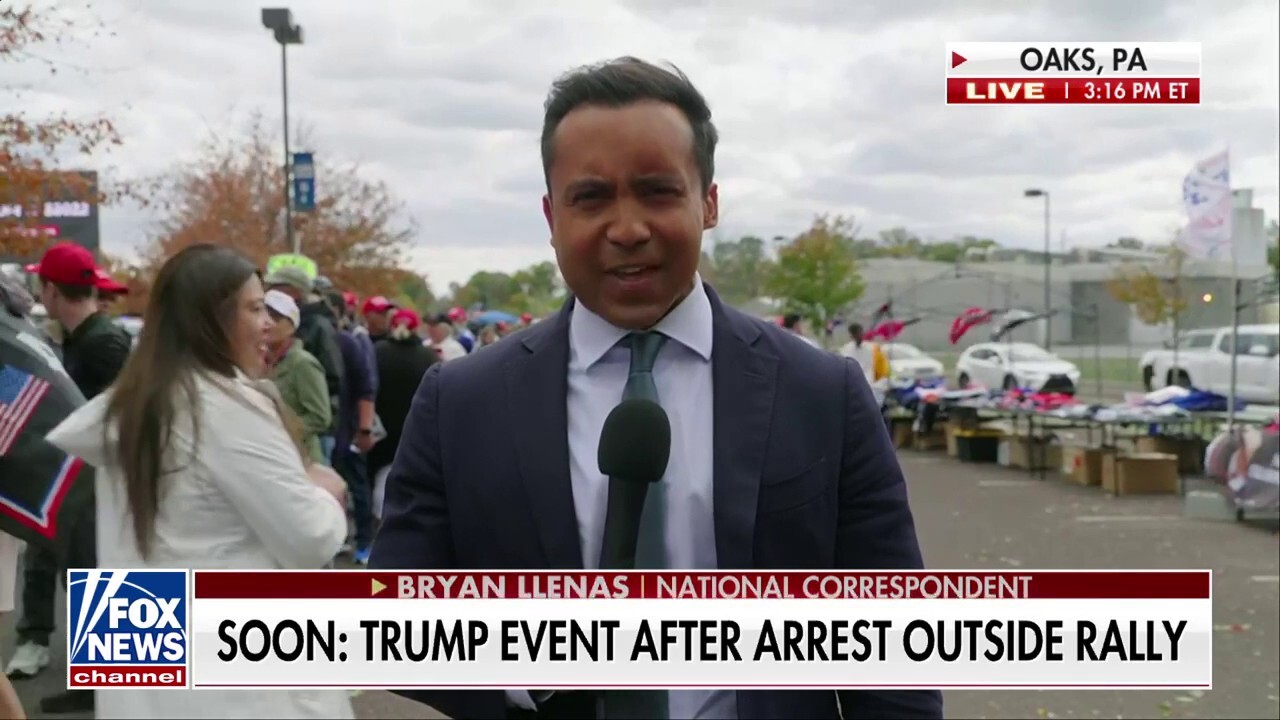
<point x="343" y="305"/>
<point x="354" y="434"/>
<point x="402" y="361"/>
<point x="318" y="329"/>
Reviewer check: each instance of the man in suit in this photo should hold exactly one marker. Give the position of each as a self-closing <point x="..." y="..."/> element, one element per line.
<point x="778" y="460"/>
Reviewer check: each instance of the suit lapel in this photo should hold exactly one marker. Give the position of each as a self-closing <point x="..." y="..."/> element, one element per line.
<point x="743" y="382"/>
<point x="537" y="387"/>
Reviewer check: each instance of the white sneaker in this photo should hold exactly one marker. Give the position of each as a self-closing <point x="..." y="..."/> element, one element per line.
<point x="27" y="661"/>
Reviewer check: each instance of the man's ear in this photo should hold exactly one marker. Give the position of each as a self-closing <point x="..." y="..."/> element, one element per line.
<point x="546" y="212"/>
<point x="711" y="207"/>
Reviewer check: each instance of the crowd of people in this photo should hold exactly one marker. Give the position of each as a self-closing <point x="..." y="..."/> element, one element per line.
<point x="338" y="371"/>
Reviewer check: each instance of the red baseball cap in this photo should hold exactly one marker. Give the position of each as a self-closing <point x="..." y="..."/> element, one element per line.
<point x="457" y="314"/>
<point x="406" y="317"/>
<point x="350" y="298"/>
<point x="376" y="304"/>
<point x="107" y="284"/>
<point x="68" y="264"/>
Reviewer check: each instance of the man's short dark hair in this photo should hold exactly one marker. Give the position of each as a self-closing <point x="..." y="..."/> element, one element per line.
<point x="791" y="320"/>
<point x="74" y="292"/>
<point x="855" y="328"/>
<point x="624" y="81"/>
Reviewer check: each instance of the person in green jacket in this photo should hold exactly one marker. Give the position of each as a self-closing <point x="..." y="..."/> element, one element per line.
<point x="298" y="374"/>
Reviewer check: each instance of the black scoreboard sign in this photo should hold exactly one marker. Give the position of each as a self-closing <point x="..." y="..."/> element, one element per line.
<point x="69" y="211"/>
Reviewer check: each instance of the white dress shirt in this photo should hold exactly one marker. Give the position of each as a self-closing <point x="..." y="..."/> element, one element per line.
<point x="598" y="369"/>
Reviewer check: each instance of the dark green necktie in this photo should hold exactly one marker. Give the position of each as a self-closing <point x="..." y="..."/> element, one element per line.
<point x="651" y="541"/>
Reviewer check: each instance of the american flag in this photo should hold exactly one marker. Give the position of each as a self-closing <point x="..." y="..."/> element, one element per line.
<point x="20" y="394"/>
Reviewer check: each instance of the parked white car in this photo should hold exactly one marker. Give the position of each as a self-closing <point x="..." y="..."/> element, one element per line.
<point x="1203" y="361"/>
<point x="1018" y="364"/>
<point x="907" y="362"/>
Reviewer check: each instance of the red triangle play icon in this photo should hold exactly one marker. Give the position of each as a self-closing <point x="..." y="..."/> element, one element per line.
<point x="957" y="58"/>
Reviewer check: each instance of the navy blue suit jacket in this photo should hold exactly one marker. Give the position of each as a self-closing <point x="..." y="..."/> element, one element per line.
<point x="805" y="478"/>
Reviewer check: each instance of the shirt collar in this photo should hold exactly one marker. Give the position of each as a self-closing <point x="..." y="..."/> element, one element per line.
<point x="689" y="323"/>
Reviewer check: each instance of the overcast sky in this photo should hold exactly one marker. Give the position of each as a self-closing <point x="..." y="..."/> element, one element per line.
<point x="822" y="105"/>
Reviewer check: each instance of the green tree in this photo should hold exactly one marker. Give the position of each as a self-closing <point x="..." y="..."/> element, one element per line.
<point x="1154" y="291"/>
<point x="816" y="273"/>
<point x="867" y="248"/>
<point x="947" y="251"/>
<point x="541" y="290"/>
<point x="492" y="290"/>
<point x="1273" y="248"/>
<point x="410" y="289"/>
<point x="900" y="243"/>
<point x="1126" y="243"/>
<point x="741" y="267"/>
<point x="707" y="269"/>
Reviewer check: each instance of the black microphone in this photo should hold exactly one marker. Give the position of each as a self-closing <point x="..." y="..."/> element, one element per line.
<point x="635" y="446"/>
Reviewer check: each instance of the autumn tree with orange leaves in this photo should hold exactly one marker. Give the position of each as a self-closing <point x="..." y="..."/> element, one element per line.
<point x="231" y="194"/>
<point x="26" y="178"/>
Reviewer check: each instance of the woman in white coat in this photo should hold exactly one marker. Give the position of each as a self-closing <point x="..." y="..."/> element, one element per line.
<point x="200" y="466"/>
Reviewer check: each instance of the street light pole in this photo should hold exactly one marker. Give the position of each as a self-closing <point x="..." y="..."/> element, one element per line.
<point x="1048" y="263"/>
<point x="288" y="158"/>
<point x="280" y="22"/>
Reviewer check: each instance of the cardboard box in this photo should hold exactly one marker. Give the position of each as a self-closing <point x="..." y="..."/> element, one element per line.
<point x="1107" y="470"/>
<point x="1052" y="456"/>
<point x="1189" y="451"/>
<point x="935" y="440"/>
<point x="1159" y="444"/>
<point x="1034" y="454"/>
<point x="963" y="417"/>
<point x="902" y="434"/>
<point x="1072" y="455"/>
<point x="1083" y="465"/>
<point x="1145" y="474"/>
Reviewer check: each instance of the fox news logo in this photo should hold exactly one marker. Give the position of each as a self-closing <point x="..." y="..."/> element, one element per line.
<point x="128" y="628"/>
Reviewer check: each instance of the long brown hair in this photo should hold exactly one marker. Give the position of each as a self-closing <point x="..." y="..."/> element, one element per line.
<point x="193" y="303"/>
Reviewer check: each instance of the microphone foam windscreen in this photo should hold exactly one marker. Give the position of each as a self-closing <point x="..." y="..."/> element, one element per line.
<point x="635" y="443"/>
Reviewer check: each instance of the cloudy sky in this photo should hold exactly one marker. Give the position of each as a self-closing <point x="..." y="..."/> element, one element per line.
<point x="823" y="106"/>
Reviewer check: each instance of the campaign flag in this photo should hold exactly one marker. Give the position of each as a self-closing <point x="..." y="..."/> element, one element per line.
<point x="1016" y="322"/>
<point x="882" y="312"/>
<point x="1206" y="197"/>
<point x="967" y="320"/>
<point x="38" y="482"/>
<point x="890" y="330"/>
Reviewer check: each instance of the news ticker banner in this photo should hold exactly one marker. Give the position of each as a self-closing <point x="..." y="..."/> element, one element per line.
<point x="597" y="630"/>
<point x="1028" y="73"/>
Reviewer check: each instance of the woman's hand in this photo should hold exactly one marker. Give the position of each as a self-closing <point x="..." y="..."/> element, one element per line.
<point x="329" y="481"/>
